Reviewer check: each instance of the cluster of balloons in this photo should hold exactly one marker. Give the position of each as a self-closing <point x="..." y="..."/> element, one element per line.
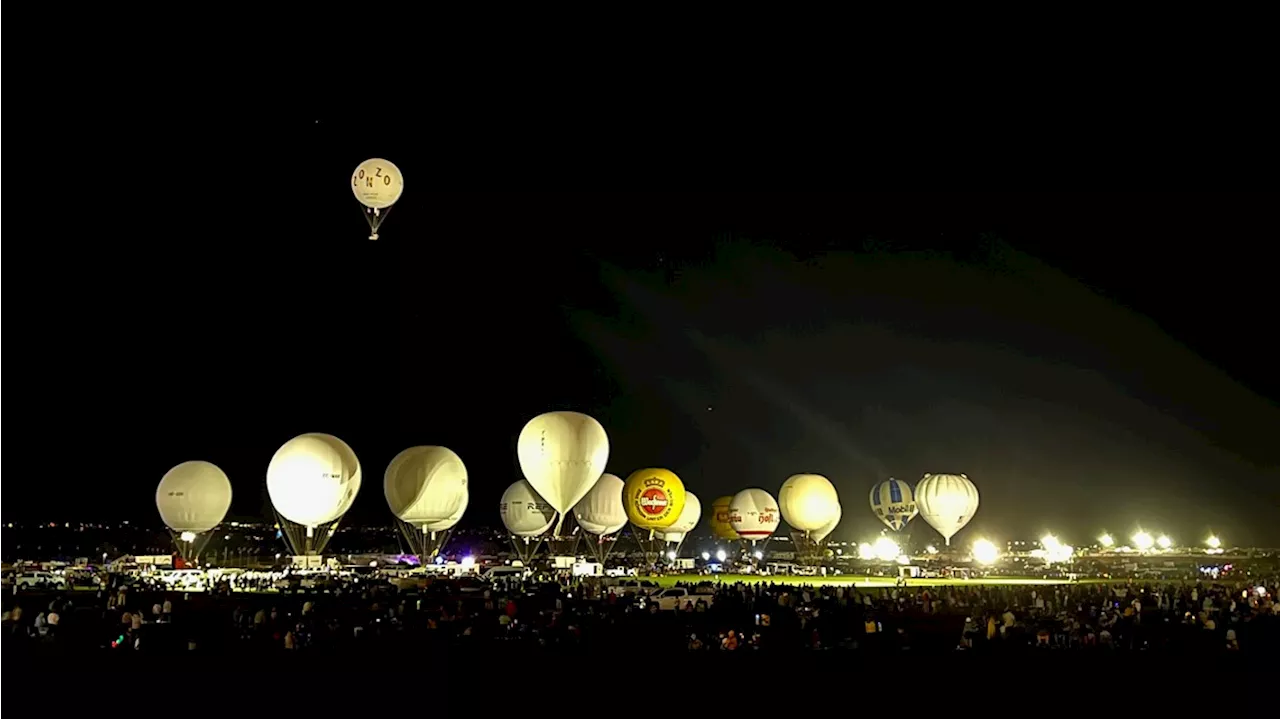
<point x="946" y="501"/>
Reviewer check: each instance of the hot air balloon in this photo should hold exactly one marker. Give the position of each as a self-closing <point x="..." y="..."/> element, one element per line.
<point x="312" y="481"/>
<point x="720" y="520"/>
<point x="562" y="454"/>
<point x="947" y="502"/>
<point x="820" y="535"/>
<point x="807" y="501"/>
<point x="377" y="185"/>
<point x="526" y="516"/>
<point x="601" y="515"/>
<point x="193" y="498"/>
<point x="424" y="485"/>
<point x="893" y="503"/>
<point x="754" y="515"/>
<point x="689" y="518"/>
<point x="654" y="499"/>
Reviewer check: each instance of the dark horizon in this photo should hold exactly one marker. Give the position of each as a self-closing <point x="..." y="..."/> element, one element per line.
<point x="1089" y="361"/>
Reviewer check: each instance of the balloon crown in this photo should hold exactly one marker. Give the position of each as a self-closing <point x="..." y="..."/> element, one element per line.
<point x="653" y="482"/>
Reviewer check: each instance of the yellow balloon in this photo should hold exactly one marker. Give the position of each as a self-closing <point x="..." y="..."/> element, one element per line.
<point x="654" y="498"/>
<point x="720" y="520"/>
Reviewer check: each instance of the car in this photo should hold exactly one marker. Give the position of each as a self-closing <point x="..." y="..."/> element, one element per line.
<point x="676" y="598"/>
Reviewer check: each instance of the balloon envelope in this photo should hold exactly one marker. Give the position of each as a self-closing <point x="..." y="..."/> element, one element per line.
<point x="720" y="519"/>
<point x="893" y="502"/>
<point x="689" y="516"/>
<point x="425" y="484"/>
<point x="754" y="514"/>
<point x="193" y="497"/>
<point x="654" y="498"/>
<point x="947" y="502"/>
<point x="807" y="501"/>
<point x="313" y="479"/>
<point x="524" y="513"/>
<point x="562" y="454"/>
<point x="377" y="183"/>
<point x="601" y="511"/>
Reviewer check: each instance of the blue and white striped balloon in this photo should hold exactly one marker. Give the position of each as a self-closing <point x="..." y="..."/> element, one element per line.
<point x="893" y="503"/>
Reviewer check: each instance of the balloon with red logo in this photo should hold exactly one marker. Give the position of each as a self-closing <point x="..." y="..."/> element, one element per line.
<point x="754" y="514"/>
<point x="654" y="498"/>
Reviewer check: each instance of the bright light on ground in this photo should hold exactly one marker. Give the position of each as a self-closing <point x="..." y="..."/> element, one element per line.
<point x="985" y="552"/>
<point x="1143" y="541"/>
<point x="1164" y="542"/>
<point x="758" y="555"/>
<point x="1053" y="551"/>
<point x="671" y="556"/>
<point x="886" y="549"/>
<point x="1213" y="542"/>
<point x="866" y="551"/>
<point x="468" y="562"/>
<point x="720" y="555"/>
<point x="187" y="536"/>
<point x="931" y="549"/>
<point x="1106" y="541"/>
<point x="706" y="556"/>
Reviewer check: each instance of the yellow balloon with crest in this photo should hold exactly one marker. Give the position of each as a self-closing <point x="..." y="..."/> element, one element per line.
<point x="654" y="498"/>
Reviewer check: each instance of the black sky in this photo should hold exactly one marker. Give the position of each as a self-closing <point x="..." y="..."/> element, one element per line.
<point x="1091" y="361"/>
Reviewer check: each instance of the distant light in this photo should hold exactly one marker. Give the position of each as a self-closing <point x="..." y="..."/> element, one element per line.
<point x="374" y="563"/>
<point x="468" y="561"/>
<point x="1106" y="541"/>
<point x="985" y="552"/>
<point x="671" y="556"/>
<point x="758" y="555"/>
<point x="226" y="536"/>
<point x="720" y="555"/>
<point x="1164" y="542"/>
<point x="439" y="559"/>
<point x="931" y="549"/>
<point x="866" y="551"/>
<point x="1143" y="541"/>
<point x="187" y="537"/>
<point x="886" y="549"/>
<point x="706" y="556"/>
<point x="903" y="559"/>
<point x="1213" y="542"/>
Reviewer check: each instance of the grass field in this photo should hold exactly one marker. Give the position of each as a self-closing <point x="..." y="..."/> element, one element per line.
<point x="863" y="581"/>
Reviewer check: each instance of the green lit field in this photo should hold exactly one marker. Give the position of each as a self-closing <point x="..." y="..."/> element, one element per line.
<point x="858" y="580"/>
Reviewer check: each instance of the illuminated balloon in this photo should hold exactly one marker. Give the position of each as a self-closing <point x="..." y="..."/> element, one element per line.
<point x="446" y="524"/>
<point x="193" y="497"/>
<point x="689" y="518"/>
<point x="562" y="454"/>
<point x="807" y="501"/>
<point x="377" y="183"/>
<point x="947" y="502"/>
<point x="893" y="502"/>
<point x="720" y="526"/>
<point x="524" y="513"/>
<point x="425" y="484"/>
<point x="654" y="498"/>
<point x="313" y="479"/>
<point x="601" y="511"/>
<point x="825" y="531"/>
<point x="754" y="514"/>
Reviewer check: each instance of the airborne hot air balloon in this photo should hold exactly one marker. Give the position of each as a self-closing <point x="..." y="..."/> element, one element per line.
<point x="312" y="481"/>
<point x="807" y="501"/>
<point x="562" y="454"/>
<point x="893" y="503"/>
<point x="425" y="486"/>
<point x="193" y="498"/>
<point x="377" y="184"/>
<point x="754" y="515"/>
<point x="720" y="520"/>
<point x="947" y="502"/>
<point x="526" y="516"/>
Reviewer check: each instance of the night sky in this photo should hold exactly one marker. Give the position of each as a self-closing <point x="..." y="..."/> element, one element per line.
<point x="1091" y="362"/>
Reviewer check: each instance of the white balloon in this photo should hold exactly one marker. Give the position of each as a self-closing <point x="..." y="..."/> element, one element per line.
<point x="562" y="454"/>
<point x="753" y="514"/>
<point x="947" y="502"/>
<point x="825" y="531"/>
<point x="313" y="479"/>
<point x="673" y="537"/>
<point x="377" y="183"/>
<point x="524" y="513"/>
<point x="688" y="519"/>
<point x="452" y="521"/>
<point x="807" y="501"/>
<point x="601" y="511"/>
<point x="193" y="497"/>
<point x="425" y="484"/>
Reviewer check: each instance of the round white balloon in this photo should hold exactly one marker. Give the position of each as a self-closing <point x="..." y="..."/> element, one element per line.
<point x="601" y="511"/>
<point x="825" y="531"/>
<point x="193" y="497"/>
<point x="425" y="484"/>
<point x="688" y="519"/>
<point x="754" y="514"/>
<point x="313" y="479"/>
<point x="524" y="513"/>
<point x="808" y="501"/>
<point x="947" y="502"/>
<point x="377" y="183"/>
<point x="452" y="521"/>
